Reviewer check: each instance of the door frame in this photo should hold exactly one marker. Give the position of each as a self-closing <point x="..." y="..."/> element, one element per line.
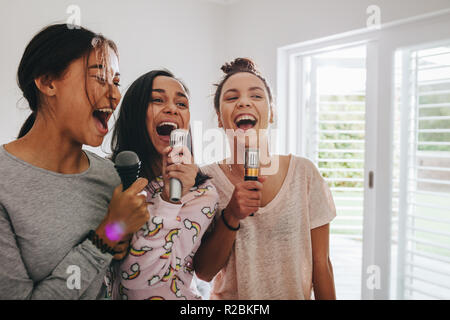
<point x="381" y="46"/>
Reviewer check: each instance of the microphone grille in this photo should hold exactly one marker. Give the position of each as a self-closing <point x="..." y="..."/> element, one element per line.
<point x="178" y="137"/>
<point x="127" y="158"/>
<point x="251" y="158"/>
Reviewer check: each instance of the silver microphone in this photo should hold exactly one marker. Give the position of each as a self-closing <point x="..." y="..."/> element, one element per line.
<point x="178" y="138"/>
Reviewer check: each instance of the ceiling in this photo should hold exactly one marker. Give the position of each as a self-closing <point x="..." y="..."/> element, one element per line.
<point x="224" y="2"/>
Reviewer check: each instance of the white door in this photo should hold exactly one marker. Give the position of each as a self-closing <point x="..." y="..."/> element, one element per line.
<point x="378" y="128"/>
<point x="334" y="117"/>
<point x="422" y="174"/>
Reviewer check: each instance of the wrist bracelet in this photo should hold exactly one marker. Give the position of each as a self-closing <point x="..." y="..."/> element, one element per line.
<point x="226" y="223"/>
<point x="98" y="242"/>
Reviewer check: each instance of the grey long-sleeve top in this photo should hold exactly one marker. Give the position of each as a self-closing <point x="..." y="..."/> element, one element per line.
<point x="44" y="220"/>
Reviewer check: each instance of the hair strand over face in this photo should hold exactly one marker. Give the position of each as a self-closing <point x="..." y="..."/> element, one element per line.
<point x="49" y="53"/>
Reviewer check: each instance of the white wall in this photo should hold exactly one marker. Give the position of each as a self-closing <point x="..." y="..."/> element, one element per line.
<point x="181" y="35"/>
<point x="256" y="28"/>
<point x="193" y="38"/>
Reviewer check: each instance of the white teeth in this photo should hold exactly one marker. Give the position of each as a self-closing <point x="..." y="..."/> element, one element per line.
<point x="107" y="110"/>
<point x="168" y="124"/>
<point x="245" y="117"/>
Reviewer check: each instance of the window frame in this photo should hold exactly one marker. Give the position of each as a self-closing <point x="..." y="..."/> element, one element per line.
<point x="382" y="44"/>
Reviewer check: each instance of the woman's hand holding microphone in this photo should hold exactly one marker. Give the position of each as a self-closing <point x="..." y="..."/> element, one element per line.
<point x="246" y="199"/>
<point x="127" y="213"/>
<point x="178" y="164"/>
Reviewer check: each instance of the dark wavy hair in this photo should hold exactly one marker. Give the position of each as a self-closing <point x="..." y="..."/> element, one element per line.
<point x="130" y="130"/>
<point x="50" y="52"/>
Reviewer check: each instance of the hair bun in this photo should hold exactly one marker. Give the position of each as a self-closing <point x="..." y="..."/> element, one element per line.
<point x="239" y="64"/>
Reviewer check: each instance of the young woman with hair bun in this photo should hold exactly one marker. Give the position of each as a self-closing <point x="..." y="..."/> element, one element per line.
<point x="270" y="238"/>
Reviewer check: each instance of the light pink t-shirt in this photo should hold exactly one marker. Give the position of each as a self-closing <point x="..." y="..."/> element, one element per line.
<point x="272" y="256"/>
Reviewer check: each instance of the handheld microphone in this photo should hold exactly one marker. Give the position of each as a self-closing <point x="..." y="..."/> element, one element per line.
<point x="128" y="167"/>
<point x="178" y="138"/>
<point x="251" y="166"/>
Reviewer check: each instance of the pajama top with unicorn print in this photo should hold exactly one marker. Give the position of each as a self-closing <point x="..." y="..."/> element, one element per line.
<point x="159" y="263"/>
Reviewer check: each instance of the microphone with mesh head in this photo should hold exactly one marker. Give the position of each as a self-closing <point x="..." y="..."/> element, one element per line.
<point x="128" y="167"/>
<point x="251" y="165"/>
<point x="178" y="138"/>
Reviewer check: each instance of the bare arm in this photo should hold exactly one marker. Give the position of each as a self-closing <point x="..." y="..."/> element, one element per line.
<point x="323" y="280"/>
<point x="215" y="249"/>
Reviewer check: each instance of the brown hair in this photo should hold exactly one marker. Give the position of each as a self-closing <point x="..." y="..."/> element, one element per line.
<point x="237" y="66"/>
<point x="50" y="52"/>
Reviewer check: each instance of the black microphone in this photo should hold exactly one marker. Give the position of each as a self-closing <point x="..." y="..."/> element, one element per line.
<point x="128" y="167"/>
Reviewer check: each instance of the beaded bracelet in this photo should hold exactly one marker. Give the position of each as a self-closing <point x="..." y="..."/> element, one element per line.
<point x="226" y="223"/>
<point x="98" y="242"/>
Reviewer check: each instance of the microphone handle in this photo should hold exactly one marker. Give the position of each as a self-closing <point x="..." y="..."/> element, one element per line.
<point x="128" y="175"/>
<point x="175" y="190"/>
<point x="251" y="178"/>
<point x="126" y="183"/>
